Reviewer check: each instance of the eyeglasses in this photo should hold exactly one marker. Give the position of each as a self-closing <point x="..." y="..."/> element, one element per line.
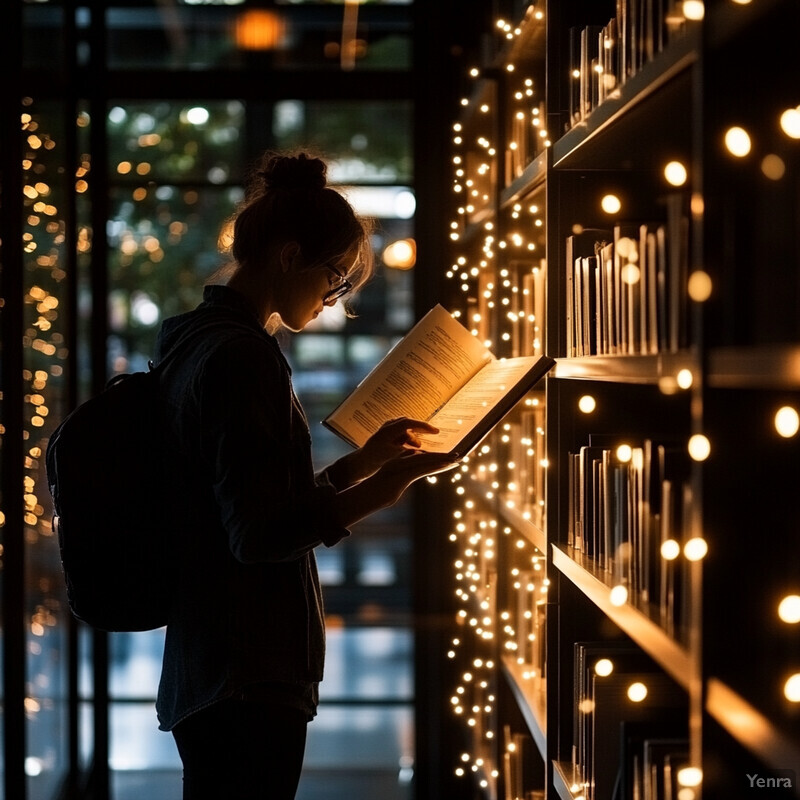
<point x="337" y="291"/>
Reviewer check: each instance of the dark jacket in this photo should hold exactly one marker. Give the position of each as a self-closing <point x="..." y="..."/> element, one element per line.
<point x="248" y="512"/>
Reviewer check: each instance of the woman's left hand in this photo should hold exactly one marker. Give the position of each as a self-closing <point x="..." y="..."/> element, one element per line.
<point x="392" y="439"/>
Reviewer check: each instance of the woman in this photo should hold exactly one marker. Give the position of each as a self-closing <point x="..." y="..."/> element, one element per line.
<point x="245" y="640"/>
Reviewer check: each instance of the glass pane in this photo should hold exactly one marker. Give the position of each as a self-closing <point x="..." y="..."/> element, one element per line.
<point x="364" y="142"/>
<point x="47" y="185"/>
<point x="290" y="36"/>
<point x="176" y="141"/>
<point x="43" y="36"/>
<point x="164" y="246"/>
<point x="350" y="746"/>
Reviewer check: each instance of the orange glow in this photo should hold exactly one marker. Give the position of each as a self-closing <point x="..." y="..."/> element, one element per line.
<point x="259" y="29"/>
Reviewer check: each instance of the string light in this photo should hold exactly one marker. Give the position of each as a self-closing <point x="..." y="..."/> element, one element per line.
<point x="699" y="447"/>
<point x="787" y="422"/>
<point x="737" y="141"/>
<point x="637" y="692"/>
<point x="699" y="286"/>
<point x="789" y="609"/>
<point x="790" y="122"/>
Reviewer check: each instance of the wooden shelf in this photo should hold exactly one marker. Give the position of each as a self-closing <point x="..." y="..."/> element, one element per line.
<point x="673" y="657"/>
<point x="532" y="178"/>
<point x="750" y="727"/>
<point x="530" y="696"/>
<point x="572" y="150"/>
<point x="759" y="367"/>
<point x="514" y="517"/>
<point x="530" y="44"/>
<point x="650" y="369"/>
<point x="562" y="782"/>
<point x="762" y="367"/>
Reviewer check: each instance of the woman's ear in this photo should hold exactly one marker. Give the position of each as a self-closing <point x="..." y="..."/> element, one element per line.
<point x="289" y="254"/>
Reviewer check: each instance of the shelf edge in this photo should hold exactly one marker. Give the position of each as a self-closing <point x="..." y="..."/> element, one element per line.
<point x="750" y="727"/>
<point x="641" y="369"/>
<point x="532" y="532"/>
<point x="672" y="656"/>
<point x="561" y="782"/>
<point x="656" y="73"/>
<point x="759" y="366"/>
<point x="532" y="177"/>
<point x="531" y="713"/>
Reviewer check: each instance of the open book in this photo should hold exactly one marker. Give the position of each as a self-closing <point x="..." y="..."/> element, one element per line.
<point x="440" y="373"/>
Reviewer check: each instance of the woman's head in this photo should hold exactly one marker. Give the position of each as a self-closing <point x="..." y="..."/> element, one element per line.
<point x="291" y="221"/>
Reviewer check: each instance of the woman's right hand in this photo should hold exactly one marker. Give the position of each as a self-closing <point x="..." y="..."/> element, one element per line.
<point x="397" y="474"/>
<point x="387" y="485"/>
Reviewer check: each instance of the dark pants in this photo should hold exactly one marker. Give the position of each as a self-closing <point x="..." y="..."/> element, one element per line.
<point x="241" y="750"/>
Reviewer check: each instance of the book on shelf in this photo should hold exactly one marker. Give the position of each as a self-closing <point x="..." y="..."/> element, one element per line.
<point x="662" y="759"/>
<point x="518" y="751"/>
<point x="603" y="57"/>
<point x="527" y="308"/>
<point x="581" y="247"/>
<point x="677" y="253"/>
<point x="527" y="118"/>
<point x="526" y="450"/>
<point x="621" y="512"/>
<point x="442" y="374"/>
<point x="651" y="753"/>
<point x="616" y="709"/>
<point x="626" y="289"/>
<point x="615" y="703"/>
<point x="527" y="620"/>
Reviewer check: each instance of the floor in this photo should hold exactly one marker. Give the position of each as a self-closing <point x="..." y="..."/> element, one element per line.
<point x="359" y="746"/>
<point x="316" y="785"/>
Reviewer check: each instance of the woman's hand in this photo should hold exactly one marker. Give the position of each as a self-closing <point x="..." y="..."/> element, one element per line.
<point x="393" y="438"/>
<point x="388" y="484"/>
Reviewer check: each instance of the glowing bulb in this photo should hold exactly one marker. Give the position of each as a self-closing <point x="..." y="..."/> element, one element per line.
<point x="197" y="115"/>
<point x="587" y="404"/>
<point x="773" y="167"/>
<point x="695" y="549"/>
<point x="604" y="667"/>
<point x="690" y="776"/>
<point x="637" y="692"/>
<point x="675" y="173"/>
<point x="699" y="286"/>
<point x="787" y="421"/>
<point x="699" y="447"/>
<point x="611" y="204"/>
<point x="624" y="453"/>
<point x="670" y="550"/>
<point x="693" y="9"/>
<point x="789" y="609"/>
<point x="737" y="140"/>
<point x="618" y="596"/>
<point x="630" y="274"/>
<point x="790" y="122"/>
<point x="685" y="378"/>
<point x="626" y="248"/>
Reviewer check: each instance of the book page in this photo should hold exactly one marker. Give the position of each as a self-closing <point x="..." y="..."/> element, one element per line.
<point x="436" y="358"/>
<point x="482" y="402"/>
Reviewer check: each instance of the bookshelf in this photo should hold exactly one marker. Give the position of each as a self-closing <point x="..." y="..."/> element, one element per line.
<point x="625" y="201"/>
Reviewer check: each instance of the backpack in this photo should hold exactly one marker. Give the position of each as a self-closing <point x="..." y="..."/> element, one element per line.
<point x="106" y="473"/>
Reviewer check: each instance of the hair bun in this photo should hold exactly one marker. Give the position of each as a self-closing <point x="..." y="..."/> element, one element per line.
<point x="300" y="171"/>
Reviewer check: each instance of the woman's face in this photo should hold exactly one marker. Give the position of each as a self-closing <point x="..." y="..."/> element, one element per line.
<point x="306" y="291"/>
